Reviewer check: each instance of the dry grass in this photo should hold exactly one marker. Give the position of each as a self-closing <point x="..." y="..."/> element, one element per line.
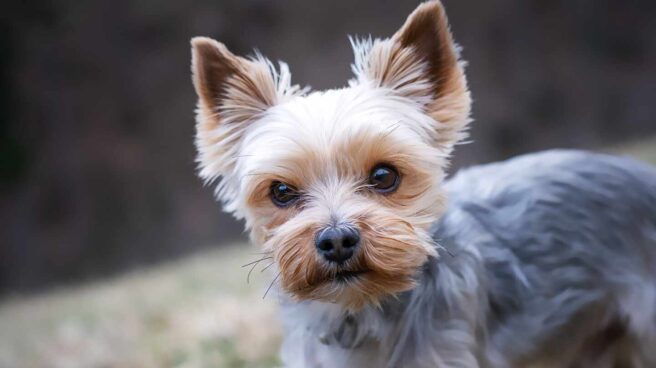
<point x="195" y="312"/>
<point x="644" y="149"/>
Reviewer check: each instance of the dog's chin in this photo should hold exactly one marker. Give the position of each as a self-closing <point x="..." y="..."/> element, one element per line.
<point x="354" y="289"/>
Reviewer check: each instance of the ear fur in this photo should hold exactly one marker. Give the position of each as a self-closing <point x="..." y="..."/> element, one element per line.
<point x="421" y="62"/>
<point x="232" y="92"/>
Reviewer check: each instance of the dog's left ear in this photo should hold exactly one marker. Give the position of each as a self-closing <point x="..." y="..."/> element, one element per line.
<point x="421" y="62"/>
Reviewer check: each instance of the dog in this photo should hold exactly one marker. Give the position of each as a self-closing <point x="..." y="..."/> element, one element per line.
<point x="544" y="260"/>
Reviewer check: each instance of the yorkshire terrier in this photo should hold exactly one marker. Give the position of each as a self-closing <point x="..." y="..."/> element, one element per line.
<point x="545" y="260"/>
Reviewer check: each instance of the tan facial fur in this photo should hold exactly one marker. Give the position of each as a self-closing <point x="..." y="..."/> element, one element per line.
<point x="334" y="185"/>
<point x="406" y="107"/>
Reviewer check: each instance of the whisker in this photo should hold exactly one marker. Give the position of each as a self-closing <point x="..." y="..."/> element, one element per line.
<point x="256" y="261"/>
<point x="256" y="173"/>
<point x="269" y="265"/>
<point x="240" y="156"/>
<point x="393" y="128"/>
<point x="270" y="285"/>
<point x="248" y="276"/>
<point x="262" y="253"/>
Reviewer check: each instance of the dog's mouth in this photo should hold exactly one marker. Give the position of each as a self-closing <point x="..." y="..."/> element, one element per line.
<point x="347" y="275"/>
<point x="340" y="277"/>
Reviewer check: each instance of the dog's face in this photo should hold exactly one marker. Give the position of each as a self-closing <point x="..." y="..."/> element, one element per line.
<point x="340" y="186"/>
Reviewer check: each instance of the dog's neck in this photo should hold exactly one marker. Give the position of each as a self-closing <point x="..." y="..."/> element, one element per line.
<point x="332" y="324"/>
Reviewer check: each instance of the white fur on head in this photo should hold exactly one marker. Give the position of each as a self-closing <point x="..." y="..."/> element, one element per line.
<point x="418" y="68"/>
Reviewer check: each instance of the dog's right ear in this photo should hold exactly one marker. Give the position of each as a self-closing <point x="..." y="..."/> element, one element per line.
<point x="232" y="93"/>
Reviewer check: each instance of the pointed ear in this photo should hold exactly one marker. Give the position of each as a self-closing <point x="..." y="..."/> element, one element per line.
<point x="421" y="62"/>
<point x="219" y="75"/>
<point x="232" y="93"/>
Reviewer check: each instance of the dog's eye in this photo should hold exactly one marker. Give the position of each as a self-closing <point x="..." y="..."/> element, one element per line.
<point x="283" y="194"/>
<point x="384" y="178"/>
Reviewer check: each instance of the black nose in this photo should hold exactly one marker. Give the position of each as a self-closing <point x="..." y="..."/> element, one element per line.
<point x="337" y="243"/>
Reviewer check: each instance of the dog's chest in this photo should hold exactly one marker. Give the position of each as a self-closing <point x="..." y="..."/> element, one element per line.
<point x="320" y="335"/>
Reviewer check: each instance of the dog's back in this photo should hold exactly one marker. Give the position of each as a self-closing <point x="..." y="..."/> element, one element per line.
<point x="568" y="244"/>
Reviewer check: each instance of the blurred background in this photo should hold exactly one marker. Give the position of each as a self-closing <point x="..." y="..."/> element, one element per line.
<point x="112" y="253"/>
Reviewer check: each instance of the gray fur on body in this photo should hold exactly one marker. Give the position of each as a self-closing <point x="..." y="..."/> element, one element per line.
<point x="548" y="260"/>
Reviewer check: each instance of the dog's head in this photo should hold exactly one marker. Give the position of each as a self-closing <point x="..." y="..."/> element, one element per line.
<point x="340" y="186"/>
